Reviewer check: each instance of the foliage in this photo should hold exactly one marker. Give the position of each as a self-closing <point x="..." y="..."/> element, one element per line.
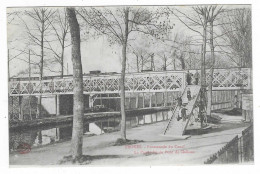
<point x="237" y="33"/>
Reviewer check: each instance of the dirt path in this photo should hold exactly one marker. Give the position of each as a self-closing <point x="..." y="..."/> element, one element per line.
<point x="155" y="150"/>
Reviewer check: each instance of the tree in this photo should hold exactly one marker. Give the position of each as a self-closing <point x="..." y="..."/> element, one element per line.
<point x="139" y="53"/>
<point x="237" y="33"/>
<point x="37" y="35"/>
<point x="214" y="12"/>
<point x="182" y="50"/>
<point x="118" y="24"/>
<point x="78" y="105"/>
<point x="204" y="15"/>
<point x="60" y="29"/>
<point x="195" y="22"/>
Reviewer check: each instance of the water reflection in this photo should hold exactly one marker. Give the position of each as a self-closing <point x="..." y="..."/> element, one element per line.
<point x="64" y="132"/>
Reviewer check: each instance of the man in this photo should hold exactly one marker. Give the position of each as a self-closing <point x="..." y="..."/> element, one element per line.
<point x="188" y="94"/>
<point x="179" y="101"/>
<point x="182" y="114"/>
<point x="188" y="78"/>
<point x="196" y="76"/>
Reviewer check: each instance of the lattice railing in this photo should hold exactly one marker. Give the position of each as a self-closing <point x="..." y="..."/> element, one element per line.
<point x="223" y="79"/>
<point x="135" y="82"/>
<point x="231" y="78"/>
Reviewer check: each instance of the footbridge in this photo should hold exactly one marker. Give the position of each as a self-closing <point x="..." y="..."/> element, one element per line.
<point x="145" y="82"/>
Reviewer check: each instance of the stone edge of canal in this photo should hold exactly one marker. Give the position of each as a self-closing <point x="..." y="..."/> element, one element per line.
<point x="48" y="121"/>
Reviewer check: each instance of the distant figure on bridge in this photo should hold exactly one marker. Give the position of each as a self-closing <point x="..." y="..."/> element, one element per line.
<point x="188" y="78"/>
<point x="235" y="104"/>
<point x="188" y="94"/>
<point x="196" y="76"/>
<point x="182" y="114"/>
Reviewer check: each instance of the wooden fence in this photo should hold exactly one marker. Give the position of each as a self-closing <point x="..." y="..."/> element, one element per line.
<point x="223" y="99"/>
<point x="238" y="150"/>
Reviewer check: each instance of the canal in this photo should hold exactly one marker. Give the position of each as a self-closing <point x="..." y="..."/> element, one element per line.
<point x="38" y="137"/>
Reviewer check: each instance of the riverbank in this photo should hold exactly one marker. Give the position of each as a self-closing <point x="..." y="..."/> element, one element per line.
<point x="88" y="117"/>
<point x="155" y="150"/>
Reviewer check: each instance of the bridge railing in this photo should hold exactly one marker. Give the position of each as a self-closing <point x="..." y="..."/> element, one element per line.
<point x="223" y="79"/>
<point x="231" y="78"/>
<point x="135" y="82"/>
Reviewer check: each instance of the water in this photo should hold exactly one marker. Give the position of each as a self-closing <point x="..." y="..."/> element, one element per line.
<point x="61" y="133"/>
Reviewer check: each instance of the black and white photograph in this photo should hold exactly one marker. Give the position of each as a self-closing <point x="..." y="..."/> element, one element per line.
<point x="130" y="85"/>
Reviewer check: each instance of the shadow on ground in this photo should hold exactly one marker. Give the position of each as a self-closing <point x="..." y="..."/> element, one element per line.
<point x="230" y="112"/>
<point x="87" y="159"/>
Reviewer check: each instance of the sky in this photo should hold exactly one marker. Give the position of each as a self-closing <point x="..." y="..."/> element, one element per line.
<point x="96" y="53"/>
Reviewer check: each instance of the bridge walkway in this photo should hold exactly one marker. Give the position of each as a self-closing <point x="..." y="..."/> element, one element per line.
<point x="176" y="126"/>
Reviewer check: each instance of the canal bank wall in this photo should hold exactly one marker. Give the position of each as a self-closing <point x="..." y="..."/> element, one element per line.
<point x="88" y="117"/>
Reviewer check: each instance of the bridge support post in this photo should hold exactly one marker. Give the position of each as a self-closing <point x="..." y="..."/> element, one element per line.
<point x="101" y="127"/>
<point x="39" y="106"/>
<point x="240" y="99"/>
<point x="143" y="100"/>
<point x="129" y="100"/>
<point x="164" y="99"/>
<point x="163" y="115"/>
<point x="136" y="101"/>
<point x="57" y="103"/>
<point x="91" y="101"/>
<point x="20" y="108"/>
<point x="101" y="99"/>
<point x="57" y="137"/>
<point x="155" y="95"/>
<point x="150" y="104"/>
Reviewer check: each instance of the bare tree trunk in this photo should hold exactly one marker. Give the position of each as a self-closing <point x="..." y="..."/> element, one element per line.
<point x="62" y="59"/>
<point x="39" y="99"/>
<point x="122" y="82"/>
<point x="165" y="63"/>
<point x="211" y="70"/>
<point x="181" y="58"/>
<point x="137" y="63"/>
<point x="190" y="61"/>
<point x="174" y="66"/>
<point x="30" y="107"/>
<point x="203" y="71"/>
<point x="152" y="63"/>
<point x="142" y="65"/>
<point x="78" y="105"/>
